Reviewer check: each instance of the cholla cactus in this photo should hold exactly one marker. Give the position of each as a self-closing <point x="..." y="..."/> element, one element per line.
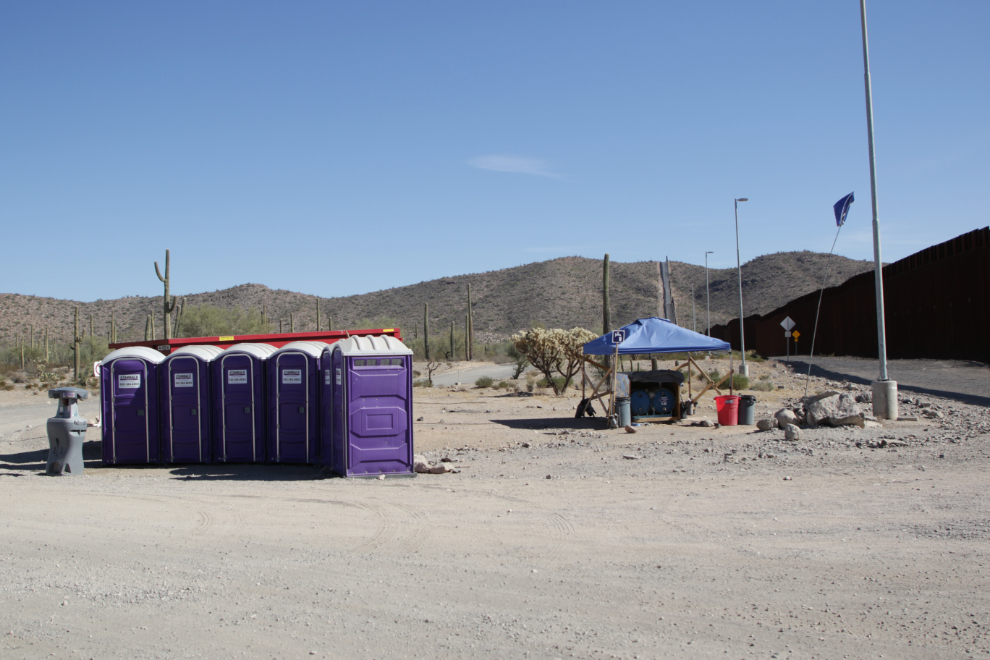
<point x="554" y="350"/>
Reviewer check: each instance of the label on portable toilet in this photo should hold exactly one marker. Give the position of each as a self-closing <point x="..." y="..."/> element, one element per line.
<point x="128" y="381"/>
<point x="291" y="376"/>
<point x="184" y="380"/>
<point x="326" y="376"/>
<point x="338" y="375"/>
<point x="236" y="376"/>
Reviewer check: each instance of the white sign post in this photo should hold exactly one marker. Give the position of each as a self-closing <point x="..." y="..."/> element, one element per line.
<point x="788" y="325"/>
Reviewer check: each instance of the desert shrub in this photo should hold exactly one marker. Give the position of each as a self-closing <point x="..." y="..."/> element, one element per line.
<point x="714" y="375"/>
<point x="753" y="357"/>
<point x="764" y="376"/>
<point x="762" y="386"/>
<point x="740" y="382"/>
<point x="506" y="385"/>
<point x="556" y="350"/>
<point x="558" y="385"/>
<point x="423" y="382"/>
<point x="416" y="373"/>
<point x="210" y="321"/>
<point x="484" y="381"/>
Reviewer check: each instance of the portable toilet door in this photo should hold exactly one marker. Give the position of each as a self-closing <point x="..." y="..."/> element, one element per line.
<point x="129" y="402"/>
<point x="372" y="407"/>
<point x="185" y="409"/>
<point x="293" y="402"/>
<point x="239" y="403"/>
<point x="331" y="407"/>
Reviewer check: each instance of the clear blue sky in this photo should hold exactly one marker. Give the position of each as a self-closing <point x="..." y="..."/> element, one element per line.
<point x="336" y="148"/>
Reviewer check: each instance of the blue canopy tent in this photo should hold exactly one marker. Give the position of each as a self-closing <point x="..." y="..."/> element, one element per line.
<point x="650" y="336"/>
<point x="653" y="335"/>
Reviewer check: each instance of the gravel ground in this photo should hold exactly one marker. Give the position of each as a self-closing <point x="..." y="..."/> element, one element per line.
<point x="554" y="538"/>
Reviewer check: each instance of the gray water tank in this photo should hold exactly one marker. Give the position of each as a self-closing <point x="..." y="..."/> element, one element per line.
<point x="66" y="432"/>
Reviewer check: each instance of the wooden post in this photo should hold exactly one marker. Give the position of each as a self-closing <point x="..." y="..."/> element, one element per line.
<point x="583" y="379"/>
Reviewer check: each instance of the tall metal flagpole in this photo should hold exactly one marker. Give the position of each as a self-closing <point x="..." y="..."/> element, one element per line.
<point x="884" y="405"/>
<point x="744" y="370"/>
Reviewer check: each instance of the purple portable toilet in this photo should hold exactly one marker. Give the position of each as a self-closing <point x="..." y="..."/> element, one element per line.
<point x="184" y="382"/>
<point x="129" y="400"/>
<point x="239" y="403"/>
<point x="293" y="402"/>
<point x="366" y="397"/>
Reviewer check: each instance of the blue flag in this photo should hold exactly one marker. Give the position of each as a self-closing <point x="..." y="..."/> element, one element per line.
<point x="842" y="208"/>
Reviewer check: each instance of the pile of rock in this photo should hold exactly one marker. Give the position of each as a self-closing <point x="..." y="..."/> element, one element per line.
<point x="423" y="466"/>
<point x="827" y="409"/>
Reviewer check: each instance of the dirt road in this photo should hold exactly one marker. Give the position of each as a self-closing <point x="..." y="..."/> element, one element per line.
<point x="961" y="380"/>
<point x="674" y="542"/>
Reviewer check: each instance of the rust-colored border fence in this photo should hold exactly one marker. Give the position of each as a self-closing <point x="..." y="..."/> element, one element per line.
<point x="937" y="306"/>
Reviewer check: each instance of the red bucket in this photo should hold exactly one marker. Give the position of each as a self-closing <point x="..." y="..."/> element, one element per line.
<point x="728" y="409"/>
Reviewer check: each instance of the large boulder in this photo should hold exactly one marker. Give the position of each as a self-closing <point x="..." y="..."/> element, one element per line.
<point x="785" y="416"/>
<point x="829" y="405"/>
<point x="420" y="464"/>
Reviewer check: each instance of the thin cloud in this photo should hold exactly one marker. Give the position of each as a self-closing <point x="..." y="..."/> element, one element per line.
<point x="514" y="164"/>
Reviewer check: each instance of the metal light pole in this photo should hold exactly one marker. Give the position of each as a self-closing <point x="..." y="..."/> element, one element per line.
<point x="708" y="304"/>
<point x="884" y="389"/>
<point x="744" y="370"/>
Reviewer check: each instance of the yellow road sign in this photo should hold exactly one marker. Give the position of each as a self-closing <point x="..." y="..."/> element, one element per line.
<point x="795" y="334"/>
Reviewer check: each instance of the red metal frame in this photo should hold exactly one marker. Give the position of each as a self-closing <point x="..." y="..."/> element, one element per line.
<point x="277" y="340"/>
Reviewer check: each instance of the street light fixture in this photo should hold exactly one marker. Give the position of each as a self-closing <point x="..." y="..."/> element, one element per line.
<point x="708" y="306"/>
<point x="744" y="370"/>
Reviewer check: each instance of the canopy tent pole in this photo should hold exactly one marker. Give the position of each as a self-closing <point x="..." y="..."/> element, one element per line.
<point x="690" y="360"/>
<point x="730" y="374"/>
<point x="615" y="373"/>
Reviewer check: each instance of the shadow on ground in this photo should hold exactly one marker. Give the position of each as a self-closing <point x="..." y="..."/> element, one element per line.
<point x="583" y="423"/>
<point x="35" y="461"/>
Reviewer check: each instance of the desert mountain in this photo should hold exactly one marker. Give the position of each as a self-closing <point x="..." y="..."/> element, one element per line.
<point x="564" y="292"/>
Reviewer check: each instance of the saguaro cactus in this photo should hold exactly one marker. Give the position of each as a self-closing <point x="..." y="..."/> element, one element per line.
<point x="46" y="343"/>
<point x="426" y="329"/>
<point x="317" y="313"/>
<point x="606" y="314"/>
<point x="469" y="339"/>
<point x="168" y="304"/>
<point x="180" y="305"/>
<point x="453" y="355"/>
<point x="75" y="348"/>
<point x="292" y="323"/>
